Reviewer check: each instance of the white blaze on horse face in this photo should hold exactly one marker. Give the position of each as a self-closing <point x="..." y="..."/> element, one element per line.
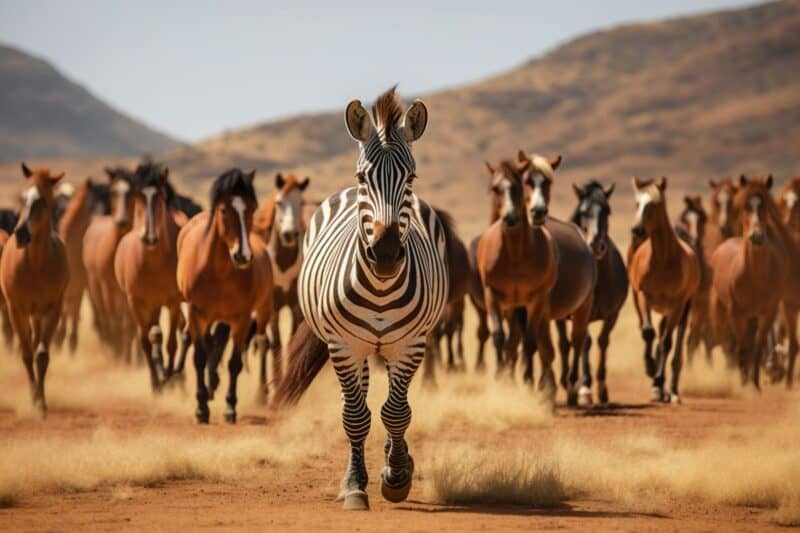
<point x="692" y="219"/>
<point x="642" y="201"/>
<point x="722" y="201"/>
<point x="121" y="189"/>
<point x="591" y="223"/>
<point x="239" y="206"/>
<point x="790" y="198"/>
<point x="537" y="198"/>
<point x="29" y="196"/>
<point x="287" y="213"/>
<point x="149" y="230"/>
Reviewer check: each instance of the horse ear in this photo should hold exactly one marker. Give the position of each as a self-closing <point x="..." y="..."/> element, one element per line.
<point x="713" y="183"/>
<point x="489" y="167"/>
<point x="109" y="172"/>
<point x="26" y="171"/>
<point x="279" y="181"/>
<point x="164" y="176"/>
<point x="578" y="191"/>
<point x="637" y="183"/>
<point x="555" y="163"/>
<point x="743" y="180"/>
<point x="687" y="200"/>
<point x="359" y="123"/>
<point x="303" y="184"/>
<point x="415" y="121"/>
<point x="608" y="191"/>
<point x="55" y="178"/>
<point x="662" y="183"/>
<point x="89" y="183"/>
<point x="250" y="176"/>
<point x="769" y="181"/>
<point x="522" y="157"/>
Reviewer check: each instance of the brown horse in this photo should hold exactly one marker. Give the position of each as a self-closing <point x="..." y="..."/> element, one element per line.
<point x="281" y="224"/>
<point x="789" y="206"/>
<point x="33" y="277"/>
<point x="517" y="261"/>
<point x="749" y="274"/>
<point x="145" y="265"/>
<point x="99" y="249"/>
<point x="8" y="221"/>
<point x="691" y="227"/>
<point x="224" y="275"/>
<point x="665" y="275"/>
<point x="591" y="216"/>
<point x="71" y="228"/>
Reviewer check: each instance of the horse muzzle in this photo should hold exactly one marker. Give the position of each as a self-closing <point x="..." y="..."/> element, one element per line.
<point x="510" y="219"/>
<point x="539" y="215"/>
<point x="149" y="240"/>
<point x="241" y="261"/>
<point x="289" y="238"/>
<point x="23" y="234"/>
<point x="757" y="238"/>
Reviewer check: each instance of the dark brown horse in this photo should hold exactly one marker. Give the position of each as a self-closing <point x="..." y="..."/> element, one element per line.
<point x="33" y="277"/>
<point x="145" y="265"/>
<point x="591" y="216"/>
<point x="691" y="227"/>
<point x="749" y="276"/>
<point x="664" y="274"/>
<point x="71" y="228"/>
<point x="224" y="275"/>
<point x="281" y="225"/>
<point x="517" y="260"/>
<point x="100" y="242"/>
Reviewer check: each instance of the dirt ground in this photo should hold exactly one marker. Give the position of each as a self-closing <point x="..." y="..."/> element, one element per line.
<point x="102" y="420"/>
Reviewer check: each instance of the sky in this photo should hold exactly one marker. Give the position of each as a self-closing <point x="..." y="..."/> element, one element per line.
<point x="195" y="68"/>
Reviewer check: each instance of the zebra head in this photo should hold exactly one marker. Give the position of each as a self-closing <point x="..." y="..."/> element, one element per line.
<point x="385" y="171"/>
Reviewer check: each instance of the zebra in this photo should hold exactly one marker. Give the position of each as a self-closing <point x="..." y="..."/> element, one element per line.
<point x="374" y="281"/>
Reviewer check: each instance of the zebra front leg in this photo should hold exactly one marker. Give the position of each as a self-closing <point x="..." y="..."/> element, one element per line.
<point x="396" y="416"/>
<point x="353" y="375"/>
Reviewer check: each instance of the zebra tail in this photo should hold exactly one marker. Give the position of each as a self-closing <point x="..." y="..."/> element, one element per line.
<point x="307" y="354"/>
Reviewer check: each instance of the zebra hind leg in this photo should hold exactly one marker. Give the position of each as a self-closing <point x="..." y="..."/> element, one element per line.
<point x="396" y="416"/>
<point x="356" y="418"/>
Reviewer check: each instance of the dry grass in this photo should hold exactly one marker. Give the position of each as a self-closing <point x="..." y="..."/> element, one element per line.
<point x="756" y="469"/>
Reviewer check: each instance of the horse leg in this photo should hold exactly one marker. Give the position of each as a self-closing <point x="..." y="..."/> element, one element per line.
<point x="483" y="336"/>
<point x="48" y="324"/>
<point x="528" y="349"/>
<point x="261" y="344"/>
<point x="585" y="390"/>
<point x="677" y="357"/>
<point x="353" y="375"/>
<point x="563" y="350"/>
<point x="186" y="337"/>
<point x="665" y="329"/>
<point x="6" y="326"/>
<point x="790" y="323"/>
<point x="547" y="381"/>
<point x="216" y="342"/>
<point x="449" y="333"/>
<point x="495" y="318"/>
<point x="511" y="349"/>
<point x="174" y="313"/>
<point x="648" y="332"/>
<point x="459" y="334"/>
<point x="396" y="476"/>
<point x="61" y="330"/>
<point x="22" y="326"/>
<point x="276" y="347"/>
<point x="602" y="344"/>
<point x="764" y="327"/>
<point x="200" y="359"/>
<point x="150" y="340"/>
<point x="239" y="335"/>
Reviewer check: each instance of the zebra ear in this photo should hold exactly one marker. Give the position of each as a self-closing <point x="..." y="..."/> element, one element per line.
<point x="415" y="121"/>
<point x="359" y="123"/>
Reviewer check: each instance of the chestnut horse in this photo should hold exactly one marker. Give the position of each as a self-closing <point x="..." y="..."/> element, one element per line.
<point x="281" y="225"/>
<point x="71" y="228"/>
<point x="33" y="277"/>
<point x="8" y="221"/>
<point x="145" y="265"/>
<point x="789" y="206"/>
<point x="750" y="276"/>
<point x="591" y="216"/>
<point x="665" y="275"/>
<point x="517" y="261"/>
<point x="224" y="275"/>
<point x="691" y="227"/>
<point x="99" y="249"/>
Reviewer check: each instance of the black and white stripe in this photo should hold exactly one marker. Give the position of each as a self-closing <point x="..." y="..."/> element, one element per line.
<point x="357" y="313"/>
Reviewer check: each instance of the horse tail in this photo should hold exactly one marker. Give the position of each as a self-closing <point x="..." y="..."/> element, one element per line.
<point x="307" y="355"/>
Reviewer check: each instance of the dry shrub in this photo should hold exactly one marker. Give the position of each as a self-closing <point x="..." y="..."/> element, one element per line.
<point x="510" y="479"/>
<point x="759" y="469"/>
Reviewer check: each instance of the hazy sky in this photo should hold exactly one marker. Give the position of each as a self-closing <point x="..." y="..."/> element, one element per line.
<point x="194" y="68"/>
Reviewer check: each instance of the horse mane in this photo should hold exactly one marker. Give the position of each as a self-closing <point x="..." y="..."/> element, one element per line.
<point x="8" y="220"/>
<point x="387" y="111"/>
<point x="590" y="187"/>
<point x="148" y="174"/>
<point x="774" y="222"/>
<point x="186" y="205"/>
<point x="233" y="182"/>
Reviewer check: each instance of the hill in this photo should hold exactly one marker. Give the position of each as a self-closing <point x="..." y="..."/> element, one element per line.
<point x="43" y="114"/>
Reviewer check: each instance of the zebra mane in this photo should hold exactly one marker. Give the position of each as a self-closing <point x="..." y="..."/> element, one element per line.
<point x="387" y="112"/>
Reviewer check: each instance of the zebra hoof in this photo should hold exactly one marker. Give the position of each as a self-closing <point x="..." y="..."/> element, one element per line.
<point x="395" y="494"/>
<point x="584" y="395"/>
<point x="355" y="500"/>
<point x="656" y="394"/>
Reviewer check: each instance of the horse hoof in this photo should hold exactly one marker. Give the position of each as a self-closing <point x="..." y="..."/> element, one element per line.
<point x="674" y="399"/>
<point x="394" y="494"/>
<point x="230" y="416"/>
<point x="602" y="395"/>
<point x="355" y="500"/>
<point x="585" y="396"/>
<point x="572" y="398"/>
<point x="656" y="395"/>
<point x="202" y="416"/>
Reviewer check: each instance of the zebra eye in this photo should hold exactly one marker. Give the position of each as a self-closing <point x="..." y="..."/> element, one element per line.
<point x="411" y="178"/>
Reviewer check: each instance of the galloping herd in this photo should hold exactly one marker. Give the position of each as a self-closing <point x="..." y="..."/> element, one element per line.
<point x="376" y="271"/>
